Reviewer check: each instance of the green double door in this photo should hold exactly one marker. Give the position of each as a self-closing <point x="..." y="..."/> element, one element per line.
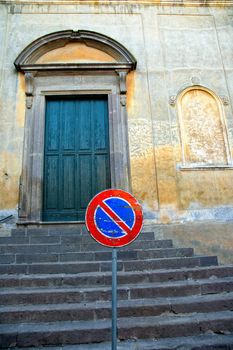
<point x="76" y="158"/>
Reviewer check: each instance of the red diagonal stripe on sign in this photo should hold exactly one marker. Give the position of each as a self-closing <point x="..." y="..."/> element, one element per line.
<point x="118" y="221"/>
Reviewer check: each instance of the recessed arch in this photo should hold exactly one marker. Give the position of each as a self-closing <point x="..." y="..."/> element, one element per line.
<point x="203" y="129"/>
<point x="29" y="57"/>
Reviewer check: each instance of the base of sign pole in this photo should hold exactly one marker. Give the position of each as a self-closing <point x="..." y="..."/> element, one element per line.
<point x="114" y="299"/>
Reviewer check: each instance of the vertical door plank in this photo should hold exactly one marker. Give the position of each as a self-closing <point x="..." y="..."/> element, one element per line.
<point x="99" y="115"/>
<point x="86" y="191"/>
<point x="52" y="166"/>
<point x="84" y="125"/>
<point x="68" y="182"/>
<point x="52" y="126"/>
<point x="68" y="125"/>
<point x="101" y="172"/>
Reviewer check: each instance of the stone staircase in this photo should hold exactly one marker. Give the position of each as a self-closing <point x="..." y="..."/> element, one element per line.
<point x="56" y="291"/>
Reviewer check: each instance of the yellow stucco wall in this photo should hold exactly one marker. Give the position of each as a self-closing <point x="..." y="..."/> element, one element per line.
<point x="155" y="179"/>
<point x="75" y="53"/>
<point x="10" y="167"/>
<point x="10" y="158"/>
<point x="168" y="192"/>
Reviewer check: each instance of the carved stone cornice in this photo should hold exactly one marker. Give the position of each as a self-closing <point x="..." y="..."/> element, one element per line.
<point x="122" y="84"/>
<point x="196" y="3"/>
<point x="172" y="100"/>
<point x="225" y="100"/>
<point x="29" y="88"/>
<point x="74" y="67"/>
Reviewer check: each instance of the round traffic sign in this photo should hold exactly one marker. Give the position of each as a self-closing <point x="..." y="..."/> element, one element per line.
<point x="114" y="218"/>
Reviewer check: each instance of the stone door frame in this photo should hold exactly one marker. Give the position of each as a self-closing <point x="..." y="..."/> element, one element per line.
<point x="72" y="79"/>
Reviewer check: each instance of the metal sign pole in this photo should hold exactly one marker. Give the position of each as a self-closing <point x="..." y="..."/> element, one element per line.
<point x="114" y="299"/>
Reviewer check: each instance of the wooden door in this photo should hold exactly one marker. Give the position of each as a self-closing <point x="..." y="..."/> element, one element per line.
<point x="76" y="158"/>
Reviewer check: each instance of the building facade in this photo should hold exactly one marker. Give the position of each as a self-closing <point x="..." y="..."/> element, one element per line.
<point x="135" y="95"/>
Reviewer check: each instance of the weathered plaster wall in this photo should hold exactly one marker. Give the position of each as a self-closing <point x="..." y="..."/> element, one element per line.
<point x="175" y="47"/>
<point x="191" y="49"/>
<point x="11" y="131"/>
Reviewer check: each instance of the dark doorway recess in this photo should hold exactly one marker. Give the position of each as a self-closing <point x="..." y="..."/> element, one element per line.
<point x="76" y="158"/>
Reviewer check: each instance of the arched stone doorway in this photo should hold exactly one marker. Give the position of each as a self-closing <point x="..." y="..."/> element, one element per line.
<point x="74" y="81"/>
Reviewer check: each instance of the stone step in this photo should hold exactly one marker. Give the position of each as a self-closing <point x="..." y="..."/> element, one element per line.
<point x="125" y="292"/>
<point x="138" y="254"/>
<point x="201" y="342"/>
<point x="126" y="308"/>
<point x="78" y="230"/>
<point x="45" y="230"/>
<point x="54" y="230"/>
<point x="102" y="266"/>
<point x="137" y="244"/>
<point x="104" y="278"/>
<point x="26" y="248"/>
<point x="44" y="237"/>
<point x="60" y="333"/>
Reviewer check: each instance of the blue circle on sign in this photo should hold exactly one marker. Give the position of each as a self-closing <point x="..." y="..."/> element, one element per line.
<point x="107" y="225"/>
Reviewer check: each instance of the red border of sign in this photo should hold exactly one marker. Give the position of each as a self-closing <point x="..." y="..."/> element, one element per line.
<point x="93" y="229"/>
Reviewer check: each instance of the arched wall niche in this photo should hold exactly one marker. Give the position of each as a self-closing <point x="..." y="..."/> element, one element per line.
<point x="48" y="73"/>
<point x="203" y="131"/>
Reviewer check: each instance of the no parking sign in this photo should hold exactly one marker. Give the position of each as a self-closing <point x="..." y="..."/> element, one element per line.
<point x="114" y="218"/>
